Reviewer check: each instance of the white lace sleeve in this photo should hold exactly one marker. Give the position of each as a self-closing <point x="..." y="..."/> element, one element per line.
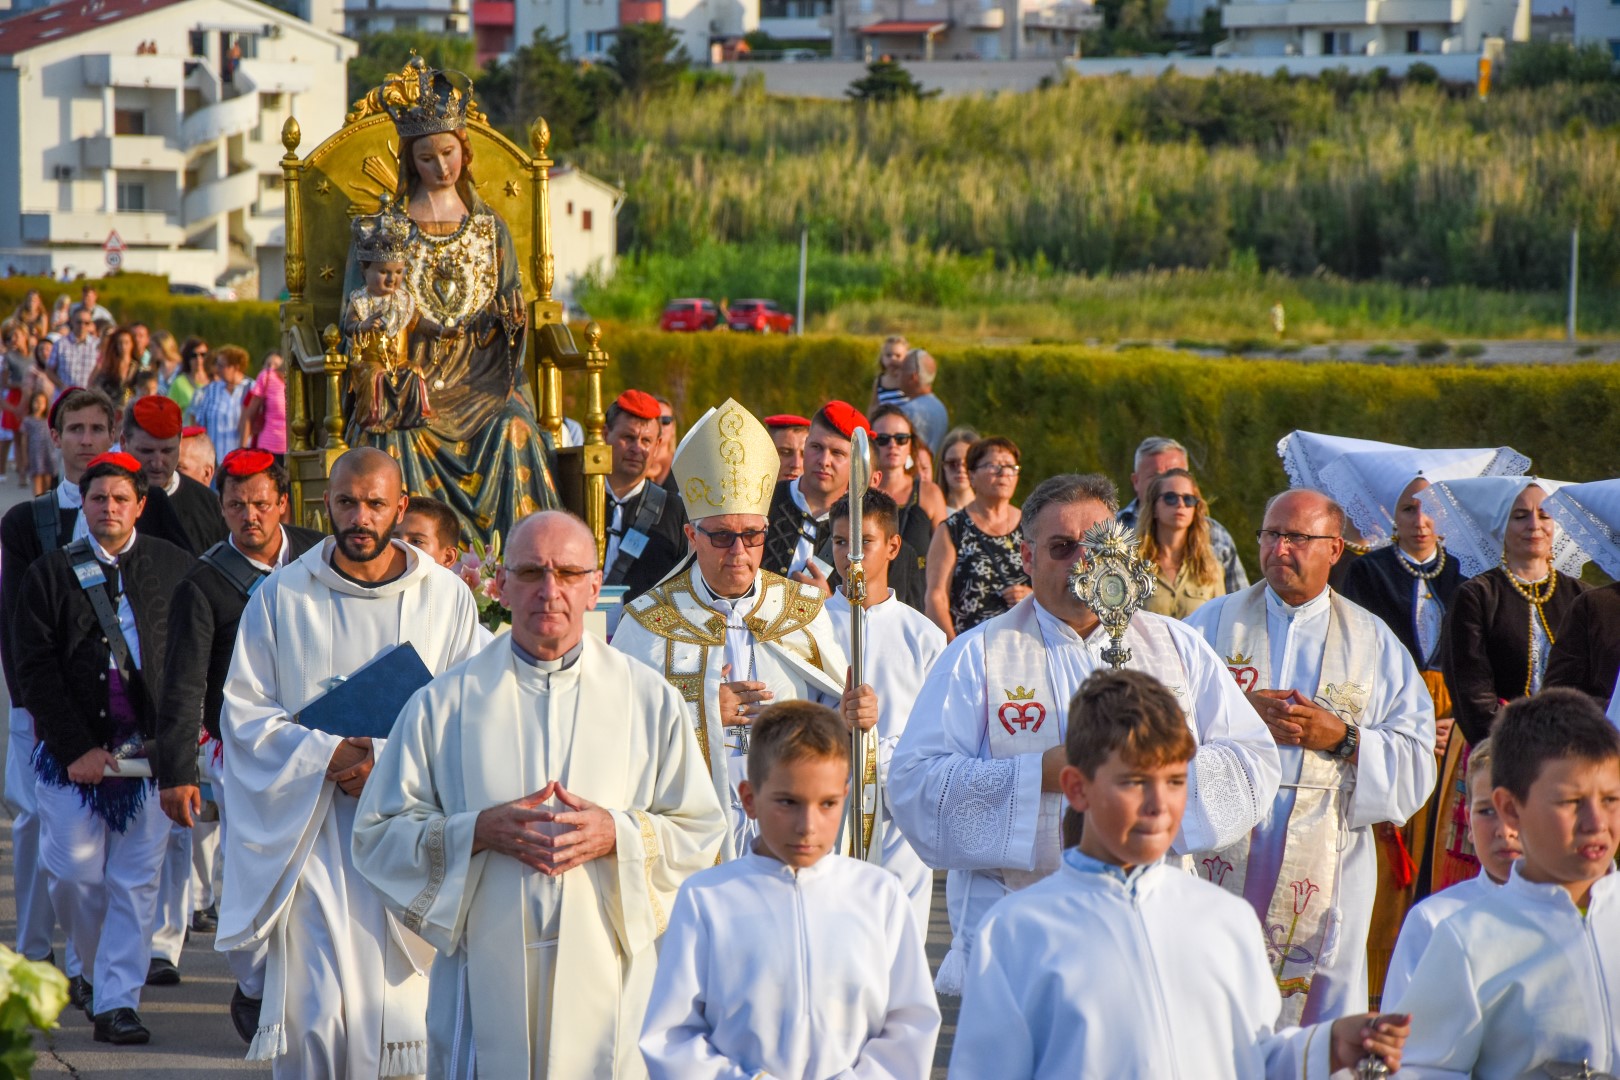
<point x="1222" y="803"/>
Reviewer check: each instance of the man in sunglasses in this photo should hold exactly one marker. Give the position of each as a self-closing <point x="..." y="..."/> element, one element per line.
<point x="799" y="527"/>
<point x="974" y="779"/>
<point x="732" y="637"/>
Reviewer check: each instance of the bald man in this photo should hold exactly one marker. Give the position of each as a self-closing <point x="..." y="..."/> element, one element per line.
<point x="481" y="807"/>
<point x="345" y="993"/>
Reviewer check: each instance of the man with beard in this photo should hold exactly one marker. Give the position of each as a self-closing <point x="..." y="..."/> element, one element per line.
<point x="645" y="522"/>
<point x="151" y="435"/>
<point x="206" y="608"/>
<point x="345" y="990"/>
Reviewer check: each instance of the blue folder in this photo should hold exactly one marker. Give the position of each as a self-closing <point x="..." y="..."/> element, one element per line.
<point x="366" y="704"/>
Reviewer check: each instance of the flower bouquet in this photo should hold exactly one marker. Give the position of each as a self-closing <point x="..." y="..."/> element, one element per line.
<point x="477" y="568"/>
<point x="32" y="995"/>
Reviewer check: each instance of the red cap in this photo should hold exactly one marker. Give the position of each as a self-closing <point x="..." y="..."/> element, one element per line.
<point x="786" y="420"/>
<point x="844" y="418"/>
<point x="240" y="463"/>
<point x="638" y="403"/>
<point x="191" y="431"/>
<point x="50" y="417"/>
<point x="116" y="457"/>
<point x="157" y="415"/>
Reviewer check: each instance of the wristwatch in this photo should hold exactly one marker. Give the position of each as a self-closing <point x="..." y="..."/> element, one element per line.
<point x="1348" y="745"/>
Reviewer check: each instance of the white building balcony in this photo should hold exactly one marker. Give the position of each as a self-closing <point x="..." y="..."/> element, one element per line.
<point x="155" y="72"/>
<point x="1070" y="17"/>
<point x="130" y="152"/>
<point x="233" y="116"/>
<point x="234" y="192"/>
<point x="277" y="76"/>
<point x="807" y="28"/>
<point x="153" y="227"/>
<point x="986" y="19"/>
<point x="1239" y="16"/>
<point x="1426" y="12"/>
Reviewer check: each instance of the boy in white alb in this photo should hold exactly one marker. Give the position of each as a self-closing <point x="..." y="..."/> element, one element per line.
<point x="790" y="962"/>
<point x="1121" y="964"/>
<point x="901" y="644"/>
<point x="1525" y="982"/>
<point x="1497" y="844"/>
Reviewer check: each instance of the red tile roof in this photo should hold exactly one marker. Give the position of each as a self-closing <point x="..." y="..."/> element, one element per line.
<point x="23" y="32"/>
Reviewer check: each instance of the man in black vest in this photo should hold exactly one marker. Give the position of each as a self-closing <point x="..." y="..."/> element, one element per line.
<point x="151" y="434"/>
<point x="798" y="527"/>
<point x="645" y="535"/>
<point x="207" y="605"/>
<point x="90" y="636"/>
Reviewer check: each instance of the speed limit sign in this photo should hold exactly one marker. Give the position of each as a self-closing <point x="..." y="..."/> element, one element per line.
<point x="115" y="259"/>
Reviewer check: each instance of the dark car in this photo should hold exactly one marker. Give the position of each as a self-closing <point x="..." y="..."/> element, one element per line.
<point x="692" y="313"/>
<point x="760" y="316"/>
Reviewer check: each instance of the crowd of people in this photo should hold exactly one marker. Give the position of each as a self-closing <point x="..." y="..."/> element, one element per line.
<point x="1362" y="811"/>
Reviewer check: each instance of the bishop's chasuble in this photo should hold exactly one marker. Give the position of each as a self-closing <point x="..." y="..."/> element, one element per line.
<point x="538" y="976"/>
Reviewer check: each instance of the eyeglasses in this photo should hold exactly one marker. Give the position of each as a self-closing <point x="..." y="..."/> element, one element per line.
<point x="956" y="463"/>
<point x="665" y="421"/>
<point x="1175" y="498"/>
<point x="899" y="438"/>
<point x="1272" y="537"/>
<point x="725" y="538"/>
<point x="565" y="575"/>
<point x="999" y="470"/>
<point x="1063" y="548"/>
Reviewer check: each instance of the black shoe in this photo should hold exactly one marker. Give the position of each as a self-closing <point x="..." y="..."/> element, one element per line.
<point x="79" y="994"/>
<point x="122" y="1027"/>
<point x="245" y="1014"/>
<point x="162" y="973"/>
<point x="204" y="922"/>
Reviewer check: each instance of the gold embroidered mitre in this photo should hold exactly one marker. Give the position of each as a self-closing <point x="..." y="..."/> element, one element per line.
<point x="727" y="464"/>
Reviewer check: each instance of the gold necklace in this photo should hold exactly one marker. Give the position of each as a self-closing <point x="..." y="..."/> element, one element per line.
<point x="1412" y="567"/>
<point x="1533" y="593"/>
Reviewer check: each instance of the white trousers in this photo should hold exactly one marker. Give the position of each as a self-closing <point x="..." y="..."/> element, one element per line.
<point x="174" y="888"/>
<point x="104" y="888"/>
<point x="35" y="920"/>
<point x="247" y="965"/>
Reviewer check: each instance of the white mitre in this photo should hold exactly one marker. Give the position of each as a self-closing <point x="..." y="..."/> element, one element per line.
<point x="726" y="464"/>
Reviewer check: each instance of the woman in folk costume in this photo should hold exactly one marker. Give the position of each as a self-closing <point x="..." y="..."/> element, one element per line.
<point x="1408" y="580"/>
<point x="1504" y="620"/>
<point x="1587" y="655"/>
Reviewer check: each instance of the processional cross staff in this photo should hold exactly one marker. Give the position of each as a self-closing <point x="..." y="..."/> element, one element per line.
<point x="863" y="822"/>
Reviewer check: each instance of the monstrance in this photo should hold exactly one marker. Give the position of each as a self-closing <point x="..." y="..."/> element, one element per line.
<point x="1113" y="582"/>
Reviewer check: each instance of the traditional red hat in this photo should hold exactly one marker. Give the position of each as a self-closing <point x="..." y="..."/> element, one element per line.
<point x="50" y="417"/>
<point x="124" y="461"/>
<point x="240" y="463"/>
<point x="844" y="418"/>
<point x="638" y="403"/>
<point x="158" y="416"/>
<point x="191" y="431"/>
<point x="786" y="420"/>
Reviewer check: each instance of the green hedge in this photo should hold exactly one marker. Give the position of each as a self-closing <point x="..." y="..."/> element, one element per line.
<point x="253" y="324"/>
<point x="1080" y="408"/>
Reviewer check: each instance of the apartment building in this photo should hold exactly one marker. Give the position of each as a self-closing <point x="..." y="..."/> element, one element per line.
<point x="1370" y="27"/>
<point x="960" y="29"/>
<point x="590" y="25"/>
<point x="362" y="17"/>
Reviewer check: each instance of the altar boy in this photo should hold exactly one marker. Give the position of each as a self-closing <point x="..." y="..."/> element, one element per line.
<point x="1122" y="964"/>
<point x="792" y="962"/>
<point x="901" y="645"/>
<point x="1526" y="981"/>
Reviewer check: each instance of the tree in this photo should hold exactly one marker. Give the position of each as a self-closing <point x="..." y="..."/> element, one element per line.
<point x="384" y="54"/>
<point x="648" y="58"/>
<point x="541" y="79"/>
<point x="886" y="80"/>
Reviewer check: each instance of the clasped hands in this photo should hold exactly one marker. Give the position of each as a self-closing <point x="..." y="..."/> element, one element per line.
<point x="1295" y="720"/>
<point x="351" y="765"/>
<point x="523" y="829"/>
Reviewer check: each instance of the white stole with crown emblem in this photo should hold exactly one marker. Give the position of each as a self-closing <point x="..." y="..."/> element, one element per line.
<point x="1303" y="918"/>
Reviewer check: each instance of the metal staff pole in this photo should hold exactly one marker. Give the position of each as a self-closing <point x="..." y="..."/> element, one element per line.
<point x="860" y="478"/>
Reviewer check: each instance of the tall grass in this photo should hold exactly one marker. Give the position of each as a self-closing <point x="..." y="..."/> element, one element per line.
<point x="1112" y="176"/>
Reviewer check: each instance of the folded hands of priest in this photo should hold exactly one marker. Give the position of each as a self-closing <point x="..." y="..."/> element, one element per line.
<point x="548" y="840"/>
<point x="351" y="764"/>
<point x="1295" y="720"/>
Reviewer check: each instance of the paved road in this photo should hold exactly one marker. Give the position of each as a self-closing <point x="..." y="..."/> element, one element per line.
<point x="192" y="1036"/>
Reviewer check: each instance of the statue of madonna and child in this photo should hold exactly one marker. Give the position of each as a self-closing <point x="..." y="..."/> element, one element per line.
<point x="435" y="323"/>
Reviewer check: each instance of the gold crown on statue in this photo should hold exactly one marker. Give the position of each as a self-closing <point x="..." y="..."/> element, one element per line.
<point x="382" y="237"/>
<point x="727" y="464"/>
<point x="424" y="101"/>
<point x="1020" y="694"/>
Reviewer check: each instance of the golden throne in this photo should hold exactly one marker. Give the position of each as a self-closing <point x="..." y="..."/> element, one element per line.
<point x="347" y="175"/>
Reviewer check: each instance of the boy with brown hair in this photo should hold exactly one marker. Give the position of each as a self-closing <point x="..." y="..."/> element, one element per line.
<point x="792" y="961"/>
<point x="1497" y="844"/>
<point x="1121" y="963"/>
<point x="1526" y="981"/>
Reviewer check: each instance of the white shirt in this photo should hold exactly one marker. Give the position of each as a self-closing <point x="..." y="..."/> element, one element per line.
<point x="739" y="639"/>
<point x="1418" y="929"/>
<point x="804" y="549"/>
<point x="174" y="483"/>
<point x="618" y="525"/>
<point x="69" y="497"/>
<point x="126" y="614"/>
<point x="281" y="554"/>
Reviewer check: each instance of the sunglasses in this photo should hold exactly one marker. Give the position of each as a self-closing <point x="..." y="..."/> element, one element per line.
<point x="1175" y="498"/>
<point x="723" y="539"/>
<point x="999" y="470"/>
<point x="1063" y="549"/>
<point x="898" y="439"/>
<point x="665" y="421"/>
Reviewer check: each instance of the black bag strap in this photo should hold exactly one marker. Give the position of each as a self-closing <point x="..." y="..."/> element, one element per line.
<point x="47" y="521"/>
<point x="654" y="497"/>
<point x="234" y="567"/>
<point x="92" y="579"/>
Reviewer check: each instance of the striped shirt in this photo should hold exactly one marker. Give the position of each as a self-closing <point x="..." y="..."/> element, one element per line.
<point x="75" y="360"/>
<point x="219" y="409"/>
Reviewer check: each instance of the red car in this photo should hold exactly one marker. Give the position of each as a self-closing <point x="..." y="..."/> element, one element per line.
<point x="690" y="314"/>
<point x="760" y="316"/>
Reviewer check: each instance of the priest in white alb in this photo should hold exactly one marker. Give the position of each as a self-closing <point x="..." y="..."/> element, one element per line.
<point x="1354" y="724"/>
<point x="732" y="638"/>
<point x="533" y="816"/>
<point x="973" y="782"/>
<point x="345" y="992"/>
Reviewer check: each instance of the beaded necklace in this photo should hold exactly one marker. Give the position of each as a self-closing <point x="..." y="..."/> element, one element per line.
<point x="1536" y="596"/>
<point x="1411" y="567"/>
